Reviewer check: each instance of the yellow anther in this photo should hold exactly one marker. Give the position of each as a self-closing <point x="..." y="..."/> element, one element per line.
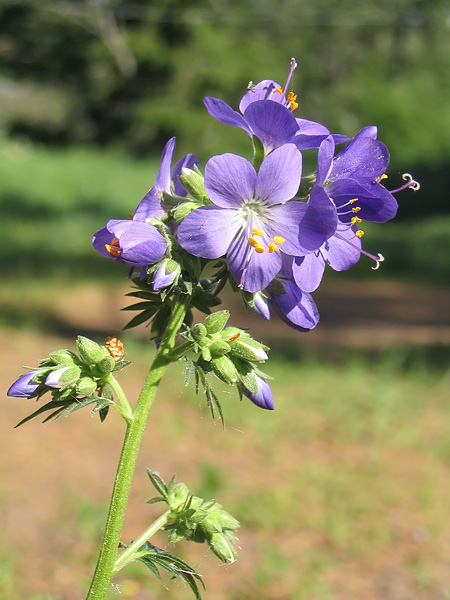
<point x="255" y="244"/>
<point x="356" y="209"/>
<point x="113" y="248"/>
<point x="355" y="220"/>
<point x="273" y="247"/>
<point x="278" y="239"/>
<point x="115" y="347"/>
<point x="353" y="201"/>
<point x="257" y="232"/>
<point x="280" y="90"/>
<point x="359" y="233"/>
<point x="292" y="100"/>
<point x="384" y="176"/>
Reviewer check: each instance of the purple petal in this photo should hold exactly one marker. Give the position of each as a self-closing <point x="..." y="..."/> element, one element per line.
<point x="271" y="122"/>
<point x="251" y="270"/>
<point x="100" y="239"/>
<point x="162" y="279"/>
<point x="374" y="200"/>
<point x="279" y="175"/>
<point x="320" y="221"/>
<point x="308" y="271"/>
<point x="229" y="180"/>
<point x="149" y="207"/>
<point x="343" y="250"/>
<point x="264" y="90"/>
<point x="285" y="221"/>
<point x="24" y="387"/>
<point x="140" y="243"/>
<point x="296" y="308"/>
<point x="264" y="397"/>
<point x="208" y="231"/>
<point x="362" y="158"/>
<point x="186" y="162"/>
<point x="221" y="111"/>
<point x="261" y="306"/>
<point x="325" y="160"/>
<point x="163" y="179"/>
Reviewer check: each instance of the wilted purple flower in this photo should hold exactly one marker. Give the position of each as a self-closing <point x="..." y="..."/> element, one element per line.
<point x="24" y="387"/>
<point x="263" y="398"/>
<point x="267" y="114"/>
<point x="252" y="221"/>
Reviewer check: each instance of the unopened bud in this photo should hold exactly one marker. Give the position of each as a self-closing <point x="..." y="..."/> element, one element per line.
<point x="89" y="350"/>
<point x="106" y="364"/>
<point x="225" y="369"/>
<point x="177" y="499"/>
<point x="193" y="182"/>
<point x="217" y="321"/>
<point x="199" y="332"/>
<point x="219" y="348"/>
<point x="63" y="357"/>
<point x="86" y="386"/>
<point x="222" y="546"/>
<point x="183" y="210"/>
<point x="248" y="349"/>
<point x="63" y="378"/>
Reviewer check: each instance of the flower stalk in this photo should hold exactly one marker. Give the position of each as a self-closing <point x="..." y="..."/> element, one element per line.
<point x="135" y="430"/>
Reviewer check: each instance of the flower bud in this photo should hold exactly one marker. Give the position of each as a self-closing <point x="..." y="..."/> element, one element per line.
<point x="106" y="364"/>
<point x="90" y="351"/>
<point x="206" y="354"/>
<point x="260" y="305"/>
<point x="263" y="398"/>
<point x="86" y="386"/>
<point x="222" y="546"/>
<point x="248" y="349"/>
<point x="183" y="210"/>
<point x="63" y="378"/>
<point x="225" y="369"/>
<point x="193" y="182"/>
<point x="63" y="357"/>
<point x="199" y="332"/>
<point x="217" y="321"/>
<point x="177" y="499"/>
<point x="24" y="387"/>
<point x="166" y="274"/>
<point x="219" y="348"/>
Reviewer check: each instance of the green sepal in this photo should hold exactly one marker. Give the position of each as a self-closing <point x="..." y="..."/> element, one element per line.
<point x="258" y="155"/>
<point x="86" y="386"/>
<point x="183" y="210"/>
<point x="64" y="357"/>
<point x="217" y="321"/>
<point x="158" y="483"/>
<point x="89" y="350"/>
<point x="219" y="348"/>
<point x="193" y="183"/>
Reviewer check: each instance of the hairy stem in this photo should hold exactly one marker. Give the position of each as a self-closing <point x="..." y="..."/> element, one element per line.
<point x="135" y="430"/>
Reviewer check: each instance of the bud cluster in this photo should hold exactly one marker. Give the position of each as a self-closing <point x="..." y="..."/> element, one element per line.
<point x="67" y="375"/>
<point x="233" y="356"/>
<point x="197" y="520"/>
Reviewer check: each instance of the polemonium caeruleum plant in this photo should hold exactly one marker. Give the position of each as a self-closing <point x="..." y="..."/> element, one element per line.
<point x="265" y="228"/>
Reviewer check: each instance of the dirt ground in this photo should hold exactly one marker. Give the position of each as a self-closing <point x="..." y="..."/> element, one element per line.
<point x="36" y="462"/>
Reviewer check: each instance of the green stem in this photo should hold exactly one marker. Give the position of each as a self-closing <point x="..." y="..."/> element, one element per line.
<point x="125" y="411"/>
<point x="135" y="431"/>
<point x="127" y="555"/>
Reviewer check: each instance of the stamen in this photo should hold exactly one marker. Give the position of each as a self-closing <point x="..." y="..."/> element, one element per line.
<point x="256" y="245"/>
<point x="355" y="220"/>
<point x="378" y="259"/>
<point x="273" y="247"/>
<point x="278" y="239"/>
<point x="410" y="183"/>
<point x="280" y="90"/>
<point x="353" y="201"/>
<point x="359" y="233"/>
<point x="378" y="179"/>
<point x="257" y="232"/>
<point x="292" y="67"/>
<point x="115" y="347"/>
<point x="292" y="104"/>
<point x="113" y="248"/>
<point x="356" y="209"/>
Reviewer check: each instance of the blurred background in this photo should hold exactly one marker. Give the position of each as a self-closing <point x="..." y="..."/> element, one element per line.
<point x="342" y="490"/>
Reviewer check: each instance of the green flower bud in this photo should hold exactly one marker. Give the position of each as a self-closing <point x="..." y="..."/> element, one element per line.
<point x="248" y="349"/>
<point x="199" y="332"/>
<point x="219" y="348"/>
<point x="222" y="546"/>
<point x="90" y="351"/>
<point x="227" y="521"/>
<point x="206" y="354"/>
<point x="63" y="378"/>
<point x="63" y="357"/>
<point x="106" y="364"/>
<point x="183" y="210"/>
<point x="225" y="369"/>
<point x="86" y="386"/>
<point x="177" y="499"/>
<point x="211" y="523"/>
<point x="193" y="182"/>
<point x="217" y="321"/>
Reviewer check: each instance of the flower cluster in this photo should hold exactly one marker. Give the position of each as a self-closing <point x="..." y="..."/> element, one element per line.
<point x="267" y="227"/>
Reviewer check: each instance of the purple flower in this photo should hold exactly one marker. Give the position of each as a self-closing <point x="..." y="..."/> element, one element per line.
<point x="295" y="307"/>
<point x="132" y="243"/>
<point x="267" y="114"/>
<point x="24" y="387"/>
<point x="251" y="220"/>
<point x="263" y="398"/>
